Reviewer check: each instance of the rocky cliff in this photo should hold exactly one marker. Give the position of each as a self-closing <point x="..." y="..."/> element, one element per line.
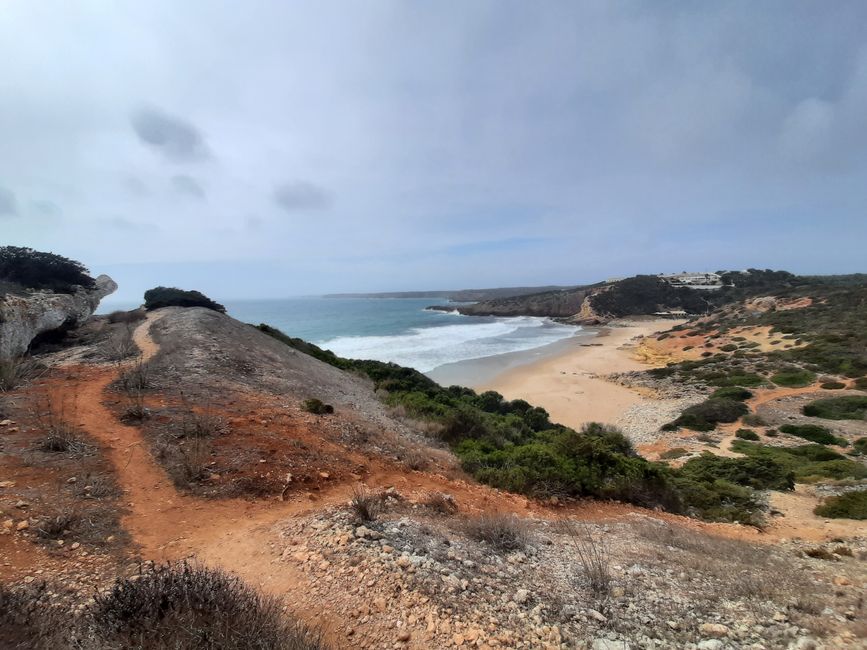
<point x="562" y="304"/>
<point x="27" y="314"/>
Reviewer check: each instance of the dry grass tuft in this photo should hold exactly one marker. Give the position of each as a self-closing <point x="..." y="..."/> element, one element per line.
<point x="441" y="503"/>
<point x="365" y="505"/>
<point x="591" y="549"/>
<point x="501" y="531"/>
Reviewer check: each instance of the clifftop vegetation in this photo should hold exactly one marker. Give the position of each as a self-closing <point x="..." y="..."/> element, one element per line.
<point x="174" y="297"/>
<point x="31" y="269"/>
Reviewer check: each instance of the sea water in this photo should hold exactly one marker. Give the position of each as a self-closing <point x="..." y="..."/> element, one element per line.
<point x="401" y="330"/>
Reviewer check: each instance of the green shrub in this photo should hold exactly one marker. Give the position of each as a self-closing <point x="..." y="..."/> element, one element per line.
<point x="760" y="473"/>
<point x="753" y="420"/>
<point x="37" y="270"/>
<point x="771" y="433"/>
<point x="851" y="407"/>
<point x="750" y="380"/>
<point x="861" y="382"/>
<point x="728" y="347"/>
<point x="732" y="392"/>
<point x="317" y="406"/>
<point x="805" y="461"/>
<point x="673" y="453"/>
<point x="833" y="385"/>
<point x="173" y="297"/>
<point x="793" y="378"/>
<point x="851" y="505"/>
<point x="746" y="434"/>
<point x="706" y="415"/>
<point x="859" y="447"/>
<point x="813" y="433"/>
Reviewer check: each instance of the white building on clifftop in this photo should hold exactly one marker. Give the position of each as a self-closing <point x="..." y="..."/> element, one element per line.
<point x="708" y="281"/>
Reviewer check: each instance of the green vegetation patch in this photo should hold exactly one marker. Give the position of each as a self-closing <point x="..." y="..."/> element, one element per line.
<point x="794" y="378"/>
<point x="760" y="473"/>
<point x="732" y="392"/>
<point x="706" y="415"/>
<point x="813" y="433"/>
<point x="806" y="461"/>
<point x="37" y="270"/>
<point x="851" y="505"/>
<point x="174" y="297"/>
<point x="850" y="407"/>
<point x="833" y="385"/>
<point x="746" y="434"/>
<point x="514" y="446"/>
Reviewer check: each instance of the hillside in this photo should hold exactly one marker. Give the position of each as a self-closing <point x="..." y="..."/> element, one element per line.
<point x="407" y="514"/>
<point x="636" y="296"/>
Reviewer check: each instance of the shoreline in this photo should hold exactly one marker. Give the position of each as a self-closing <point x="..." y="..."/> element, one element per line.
<point x="570" y="382"/>
<point x="476" y="372"/>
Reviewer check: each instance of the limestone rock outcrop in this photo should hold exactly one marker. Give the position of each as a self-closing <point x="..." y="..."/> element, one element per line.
<point x="23" y="317"/>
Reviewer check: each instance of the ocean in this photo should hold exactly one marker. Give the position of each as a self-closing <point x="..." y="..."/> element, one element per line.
<point x="399" y="329"/>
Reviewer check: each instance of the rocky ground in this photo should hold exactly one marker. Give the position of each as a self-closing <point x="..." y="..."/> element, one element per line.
<point x="416" y="578"/>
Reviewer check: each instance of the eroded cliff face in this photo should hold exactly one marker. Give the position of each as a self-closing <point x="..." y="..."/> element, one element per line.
<point x="24" y="317"/>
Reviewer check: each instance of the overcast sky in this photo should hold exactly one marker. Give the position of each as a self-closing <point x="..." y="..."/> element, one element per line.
<point x="274" y="148"/>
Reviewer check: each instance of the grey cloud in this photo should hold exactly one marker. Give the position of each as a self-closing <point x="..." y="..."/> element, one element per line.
<point x="45" y="208"/>
<point x="189" y="186"/>
<point x="8" y="204"/>
<point x="175" y="138"/>
<point x="136" y="186"/>
<point x="298" y="196"/>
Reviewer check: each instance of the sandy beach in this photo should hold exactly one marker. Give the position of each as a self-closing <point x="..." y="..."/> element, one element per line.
<point x="570" y="384"/>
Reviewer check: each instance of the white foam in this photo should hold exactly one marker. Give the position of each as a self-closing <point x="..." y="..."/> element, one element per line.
<point x="426" y="348"/>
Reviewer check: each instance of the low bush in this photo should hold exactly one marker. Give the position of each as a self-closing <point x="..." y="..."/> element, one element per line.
<point x="184" y="606"/>
<point x="736" y="393"/>
<point x="753" y="420"/>
<point x="728" y="347"/>
<point x="851" y="505"/>
<point x="833" y="385"/>
<point x="806" y="461"/>
<point x="127" y="317"/>
<point x="760" y="473"/>
<point x="746" y="434"/>
<point x="851" y="407"/>
<point x="441" y="503"/>
<point x="673" y="453"/>
<point x="174" y="297"/>
<point x="750" y="380"/>
<point x="860" y="446"/>
<point x="503" y="532"/>
<point x="793" y="378"/>
<point x="861" y="382"/>
<point x="706" y="415"/>
<point x="772" y="433"/>
<point x="16" y="372"/>
<point x="813" y="433"/>
<point x="317" y="406"/>
<point x="28" y="621"/>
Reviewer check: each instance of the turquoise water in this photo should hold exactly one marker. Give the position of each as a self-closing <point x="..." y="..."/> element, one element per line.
<point x="398" y="330"/>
